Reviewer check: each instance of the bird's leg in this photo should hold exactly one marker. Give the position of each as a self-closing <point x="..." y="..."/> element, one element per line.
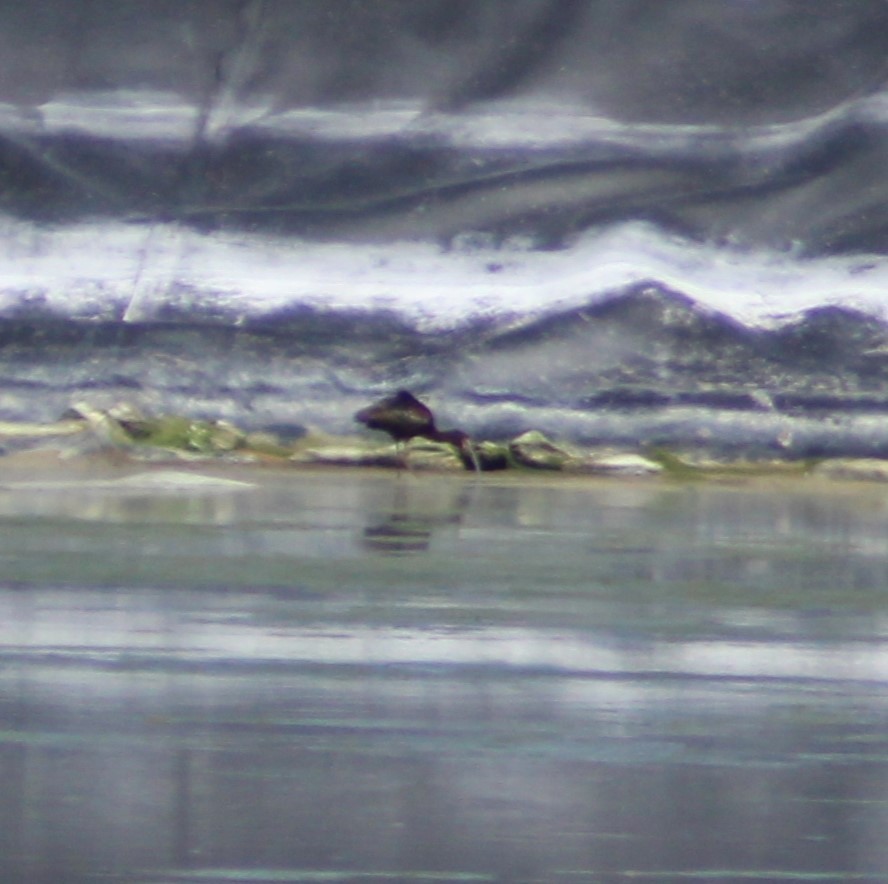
<point x="473" y="456"/>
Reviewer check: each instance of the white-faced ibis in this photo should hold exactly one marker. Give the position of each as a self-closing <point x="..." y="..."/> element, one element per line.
<point x="403" y="417"/>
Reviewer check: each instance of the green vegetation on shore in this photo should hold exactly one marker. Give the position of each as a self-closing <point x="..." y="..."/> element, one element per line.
<point x="129" y="432"/>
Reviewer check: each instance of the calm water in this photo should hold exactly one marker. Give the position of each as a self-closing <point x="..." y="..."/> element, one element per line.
<point x="350" y="677"/>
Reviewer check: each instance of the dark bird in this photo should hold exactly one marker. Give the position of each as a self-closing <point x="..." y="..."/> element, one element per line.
<point x="403" y="417"/>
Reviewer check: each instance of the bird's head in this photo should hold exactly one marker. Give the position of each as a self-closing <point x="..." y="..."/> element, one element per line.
<point x="463" y="443"/>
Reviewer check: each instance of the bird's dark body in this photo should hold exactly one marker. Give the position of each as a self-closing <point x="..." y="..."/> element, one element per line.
<point x="404" y="417"/>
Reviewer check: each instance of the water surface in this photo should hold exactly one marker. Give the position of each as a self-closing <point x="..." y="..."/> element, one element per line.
<point x="358" y="676"/>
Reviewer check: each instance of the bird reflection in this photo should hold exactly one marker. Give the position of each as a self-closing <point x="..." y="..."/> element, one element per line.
<point x="399" y="534"/>
<point x="415" y="515"/>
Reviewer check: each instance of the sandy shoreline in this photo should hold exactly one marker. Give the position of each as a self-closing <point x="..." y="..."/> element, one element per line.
<point x="49" y="466"/>
<point x="90" y="444"/>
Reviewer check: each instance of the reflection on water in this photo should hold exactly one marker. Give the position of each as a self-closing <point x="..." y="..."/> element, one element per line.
<point x="347" y="677"/>
<point x="415" y="512"/>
